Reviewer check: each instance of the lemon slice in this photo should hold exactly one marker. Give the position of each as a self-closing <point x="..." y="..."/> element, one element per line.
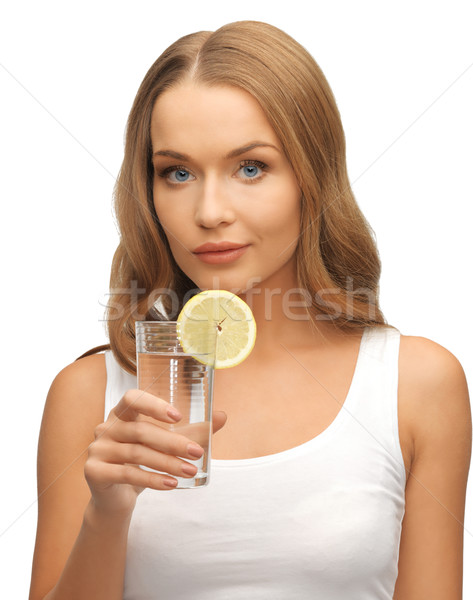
<point x="230" y="315"/>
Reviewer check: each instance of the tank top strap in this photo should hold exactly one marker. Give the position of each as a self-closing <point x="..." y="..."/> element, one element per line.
<point x="118" y="382"/>
<point x="374" y="411"/>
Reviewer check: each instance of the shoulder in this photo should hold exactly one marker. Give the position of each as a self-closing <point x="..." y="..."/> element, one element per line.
<point x="80" y="388"/>
<point x="427" y="353"/>
<point x="430" y="370"/>
<point x="85" y="374"/>
<point x="433" y="393"/>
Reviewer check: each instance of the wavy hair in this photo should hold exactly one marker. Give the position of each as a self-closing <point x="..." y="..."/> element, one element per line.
<point x="337" y="259"/>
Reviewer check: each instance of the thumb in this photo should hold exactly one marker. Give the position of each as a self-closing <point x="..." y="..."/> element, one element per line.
<point x="219" y="418"/>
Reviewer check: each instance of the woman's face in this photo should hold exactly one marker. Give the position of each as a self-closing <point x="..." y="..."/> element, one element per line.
<point x="221" y="177"/>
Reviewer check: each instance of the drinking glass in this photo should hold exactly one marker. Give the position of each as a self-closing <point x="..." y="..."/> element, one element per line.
<point x="183" y="380"/>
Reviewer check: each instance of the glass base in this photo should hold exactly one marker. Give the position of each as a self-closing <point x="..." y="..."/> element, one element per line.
<point x="184" y="483"/>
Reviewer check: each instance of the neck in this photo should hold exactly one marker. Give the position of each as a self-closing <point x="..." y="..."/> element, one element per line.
<point x="280" y="310"/>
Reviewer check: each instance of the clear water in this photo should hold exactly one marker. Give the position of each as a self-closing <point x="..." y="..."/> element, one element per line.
<point x="185" y="383"/>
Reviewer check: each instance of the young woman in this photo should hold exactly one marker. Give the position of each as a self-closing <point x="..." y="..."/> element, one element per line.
<point x="341" y="448"/>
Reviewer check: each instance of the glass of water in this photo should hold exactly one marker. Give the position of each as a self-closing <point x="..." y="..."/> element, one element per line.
<point x="183" y="380"/>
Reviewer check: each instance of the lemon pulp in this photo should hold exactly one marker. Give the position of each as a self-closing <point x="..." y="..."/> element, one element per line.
<point x="229" y="315"/>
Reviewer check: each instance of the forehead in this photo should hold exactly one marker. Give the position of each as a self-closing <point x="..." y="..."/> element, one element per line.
<point x="226" y="116"/>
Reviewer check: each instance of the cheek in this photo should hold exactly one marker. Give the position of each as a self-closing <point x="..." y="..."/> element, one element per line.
<point x="293" y="212"/>
<point x="285" y="214"/>
<point x="172" y="231"/>
<point x="171" y="218"/>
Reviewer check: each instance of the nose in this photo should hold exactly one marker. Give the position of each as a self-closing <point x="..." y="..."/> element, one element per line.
<point x="214" y="205"/>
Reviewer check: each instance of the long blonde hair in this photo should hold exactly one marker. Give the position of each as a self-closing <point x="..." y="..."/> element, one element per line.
<point x="336" y="253"/>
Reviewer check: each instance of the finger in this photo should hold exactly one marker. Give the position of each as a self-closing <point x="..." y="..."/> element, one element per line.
<point x="137" y="454"/>
<point x="219" y="418"/>
<point x="151" y="435"/>
<point x="197" y="432"/>
<point x="137" y="402"/>
<point x="101" y="475"/>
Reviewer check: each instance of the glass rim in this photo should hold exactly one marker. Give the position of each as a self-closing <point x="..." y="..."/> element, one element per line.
<point x="153" y="322"/>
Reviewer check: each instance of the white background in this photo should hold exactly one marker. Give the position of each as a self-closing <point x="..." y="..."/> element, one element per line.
<point x="403" y="79"/>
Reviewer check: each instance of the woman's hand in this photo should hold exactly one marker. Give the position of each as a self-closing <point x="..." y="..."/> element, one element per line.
<point x="129" y="438"/>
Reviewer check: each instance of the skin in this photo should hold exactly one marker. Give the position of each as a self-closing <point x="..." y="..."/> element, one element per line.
<point x="223" y="199"/>
<point x="87" y="493"/>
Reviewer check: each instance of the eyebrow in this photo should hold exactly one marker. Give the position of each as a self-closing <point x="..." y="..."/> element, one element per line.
<point x="232" y="154"/>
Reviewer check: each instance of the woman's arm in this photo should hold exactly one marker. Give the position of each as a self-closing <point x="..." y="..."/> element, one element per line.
<point x="434" y="405"/>
<point x="66" y="521"/>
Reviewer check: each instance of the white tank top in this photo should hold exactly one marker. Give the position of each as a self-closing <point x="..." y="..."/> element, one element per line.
<point x="321" y="521"/>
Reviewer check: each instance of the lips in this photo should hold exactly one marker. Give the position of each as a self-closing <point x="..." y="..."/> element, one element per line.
<point x="217" y="247"/>
<point x="220" y="253"/>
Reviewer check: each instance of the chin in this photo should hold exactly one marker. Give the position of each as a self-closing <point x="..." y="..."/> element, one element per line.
<point x="225" y="281"/>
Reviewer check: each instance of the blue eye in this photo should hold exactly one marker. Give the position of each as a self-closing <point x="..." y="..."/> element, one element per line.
<point x="252" y="169"/>
<point x="181" y="175"/>
<point x="176" y="175"/>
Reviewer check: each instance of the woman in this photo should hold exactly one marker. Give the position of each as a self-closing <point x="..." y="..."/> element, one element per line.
<point x="340" y="469"/>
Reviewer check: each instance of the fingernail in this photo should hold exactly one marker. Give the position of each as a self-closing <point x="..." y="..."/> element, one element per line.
<point x="174" y="413"/>
<point x="195" y="450"/>
<point x="189" y="469"/>
<point x="171" y="483"/>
